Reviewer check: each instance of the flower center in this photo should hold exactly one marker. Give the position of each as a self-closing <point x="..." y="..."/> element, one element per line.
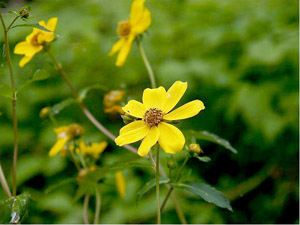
<point x="124" y="28"/>
<point x="34" y="40"/>
<point x="153" y="117"/>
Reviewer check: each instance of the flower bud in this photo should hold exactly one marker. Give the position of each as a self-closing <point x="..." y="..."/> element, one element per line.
<point x="44" y="113"/>
<point x="171" y="163"/>
<point x="24" y="13"/>
<point x="195" y="148"/>
<point x="75" y="130"/>
<point x="81" y="175"/>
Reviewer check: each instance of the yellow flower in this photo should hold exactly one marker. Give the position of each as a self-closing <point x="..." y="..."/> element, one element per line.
<point x="121" y="184"/>
<point x="139" y="21"/>
<point x="110" y="102"/>
<point x="153" y="116"/>
<point x="65" y="134"/>
<point x="94" y="150"/>
<point x="34" y="41"/>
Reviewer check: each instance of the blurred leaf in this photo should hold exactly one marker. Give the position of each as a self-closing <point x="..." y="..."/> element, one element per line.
<point x="34" y="25"/>
<point x="207" y="136"/>
<point x="6" y="91"/>
<point x="37" y="76"/>
<point x="13" y="12"/>
<point x="206" y="192"/>
<point x="18" y="205"/>
<point x="204" y="158"/>
<point x="4" y="213"/>
<point x="149" y="185"/>
<point x="81" y="191"/>
<point x="60" y="184"/>
<point x="2" y="5"/>
<point x="60" y="106"/>
<point x="83" y="93"/>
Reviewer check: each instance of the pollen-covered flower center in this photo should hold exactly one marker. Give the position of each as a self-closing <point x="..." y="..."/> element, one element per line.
<point x="153" y="117"/>
<point x="124" y="28"/>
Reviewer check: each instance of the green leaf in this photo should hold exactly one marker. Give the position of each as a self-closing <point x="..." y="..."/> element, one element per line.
<point x="207" y="136"/>
<point x="81" y="191"/>
<point x="18" y="205"/>
<point x="59" y="184"/>
<point x="149" y="185"/>
<point x="60" y="106"/>
<point x="35" y="25"/>
<point x="37" y="76"/>
<point x="85" y="91"/>
<point x="206" y="192"/>
<point x="204" y="158"/>
<point x="13" y="12"/>
<point x="6" y="91"/>
<point x="2" y="5"/>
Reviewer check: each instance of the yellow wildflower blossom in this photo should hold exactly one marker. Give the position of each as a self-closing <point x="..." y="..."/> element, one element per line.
<point x="111" y="100"/>
<point x="94" y="150"/>
<point x="153" y="116"/>
<point x="65" y="134"/>
<point x="34" y="41"/>
<point x="121" y="183"/>
<point x="138" y="23"/>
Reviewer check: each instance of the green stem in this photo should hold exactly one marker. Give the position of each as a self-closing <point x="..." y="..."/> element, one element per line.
<point x="4" y="183"/>
<point x="14" y="105"/>
<point x="147" y="64"/>
<point x="172" y="188"/>
<point x="14" y="20"/>
<point x="85" y="208"/>
<point x="98" y="205"/>
<point x="157" y="185"/>
<point x="74" y="160"/>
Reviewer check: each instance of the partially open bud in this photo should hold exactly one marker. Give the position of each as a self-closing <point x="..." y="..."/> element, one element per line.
<point x="44" y="113"/>
<point x="24" y="13"/>
<point x="195" y="148"/>
<point x="81" y="175"/>
<point x="171" y="163"/>
<point x="75" y="130"/>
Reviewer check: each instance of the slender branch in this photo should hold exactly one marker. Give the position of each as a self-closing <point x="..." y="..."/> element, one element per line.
<point x="74" y="160"/>
<point x="14" y="20"/>
<point x="85" y="208"/>
<point x="14" y="105"/>
<point x="172" y="188"/>
<point x="98" y="206"/>
<point x="4" y="183"/>
<point x="147" y="64"/>
<point x="157" y="185"/>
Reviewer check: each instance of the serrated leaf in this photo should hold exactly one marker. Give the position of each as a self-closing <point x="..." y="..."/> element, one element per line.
<point x="2" y="5"/>
<point x="60" y="106"/>
<point x="6" y="91"/>
<point x="60" y="184"/>
<point x="207" y="136"/>
<point x="35" y="25"/>
<point x="18" y="205"/>
<point x="83" y="93"/>
<point x="149" y="185"/>
<point x="204" y="158"/>
<point x="37" y="76"/>
<point x="206" y="192"/>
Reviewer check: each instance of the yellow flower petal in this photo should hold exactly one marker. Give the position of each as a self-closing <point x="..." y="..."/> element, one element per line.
<point x="24" y="61"/>
<point x="51" y="24"/>
<point x="132" y="126"/>
<point x="22" y="47"/>
<point x="59" y="145"/>
<point x="98" y="148"/>
<point x="134" y="108"/>
<point x="121" y="183"/>
<point x="136" y="11"/>
<point x="174" y="94"/>
<point x="186" y="111"/>
<point x="154" y="98"/>
<point x="117" y="46"/>
<point x="144" y="22"/>
<point x="171" y="138"/>
<point x="125" y="49"/>
<point x="149" y="141"/>
<point x="132" y="135"/>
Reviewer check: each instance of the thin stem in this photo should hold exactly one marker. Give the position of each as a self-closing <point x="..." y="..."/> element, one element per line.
<point x="147" y="64"/>
<point x="157" y="185"/>
<point x="172" y="188"/>
<point x="14" y="20"/>
<point x="85" y="110"/>
<point x="14" y="105"/>
<point x="4" y="183"/>
<point x="74" y="160"/>
<point x="85" y="208"/>
<point x="98" y="206"/>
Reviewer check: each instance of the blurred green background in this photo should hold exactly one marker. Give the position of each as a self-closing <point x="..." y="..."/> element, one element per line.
<point x="239" y="57"/>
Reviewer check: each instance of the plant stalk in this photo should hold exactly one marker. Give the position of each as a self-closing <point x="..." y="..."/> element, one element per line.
<point x="157" y="185"/>
<point x="85" y="208"/>
<point x="14" y="104"/>
<point x="4" y="183"/>
<point x="98" y="206"/>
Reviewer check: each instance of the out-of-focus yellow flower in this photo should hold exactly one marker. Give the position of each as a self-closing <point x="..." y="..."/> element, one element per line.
<point x="44" y="113"/>
<point x="34" y="41"/>
<point x="94" y="150"/>
<point x="111" y="100"/>
<point x="65" y="134"/>
<point x="153" y="116"/>
<point x="121" y="184"/>
<point x="138" y="23"/>
<point x="195" y="148"/>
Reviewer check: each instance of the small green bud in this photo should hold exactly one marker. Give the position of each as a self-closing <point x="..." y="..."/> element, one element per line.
<point x="195" y="148"/>
<point x="44" y="113"/>
<point x="24" y="12"/>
